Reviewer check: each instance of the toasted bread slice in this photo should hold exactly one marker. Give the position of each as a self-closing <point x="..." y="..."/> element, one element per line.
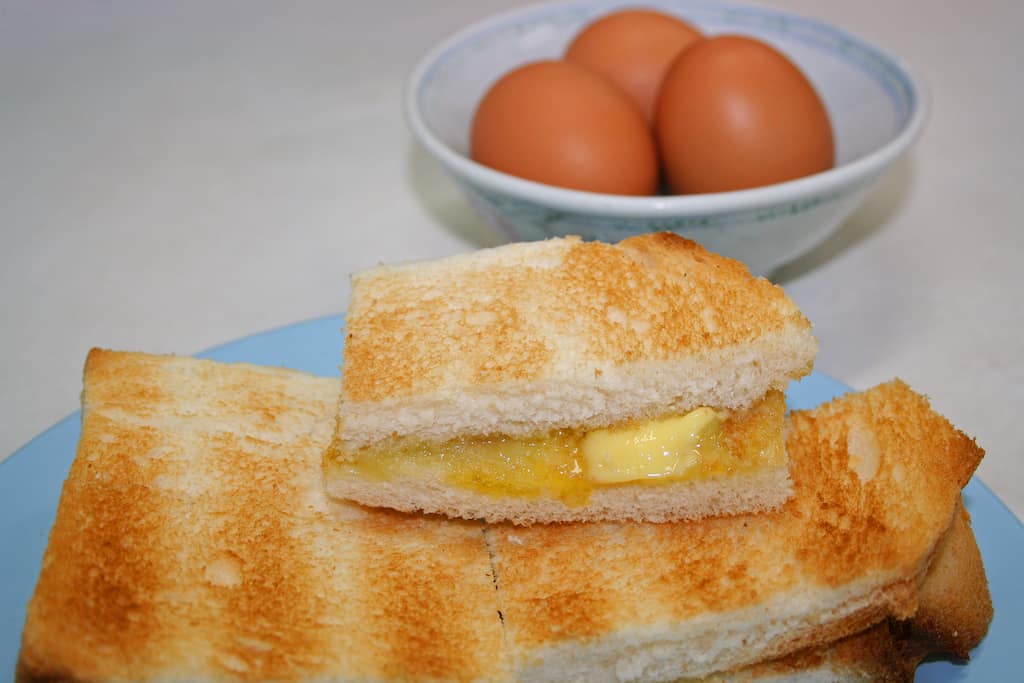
<point x="193" y="542"/>
<point x="877" y="478"/>
<point x="953" y="616"/>
<point x="955" y="605"/>
<point x="530" y="344"/>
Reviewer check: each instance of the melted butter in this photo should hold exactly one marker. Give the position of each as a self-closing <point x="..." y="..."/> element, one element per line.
<point x="672" y="447"/>
<point x="566" y="463"/>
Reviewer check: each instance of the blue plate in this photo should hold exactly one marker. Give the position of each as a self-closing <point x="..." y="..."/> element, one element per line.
<point x="31" y="479"/>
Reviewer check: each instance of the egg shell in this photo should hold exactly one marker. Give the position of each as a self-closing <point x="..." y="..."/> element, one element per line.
<point x="633" y="48"/>
<point x="735" y="113"/>
<point x="558" y="123"/>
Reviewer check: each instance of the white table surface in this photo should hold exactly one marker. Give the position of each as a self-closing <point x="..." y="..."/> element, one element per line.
<point x="177" y="175"/>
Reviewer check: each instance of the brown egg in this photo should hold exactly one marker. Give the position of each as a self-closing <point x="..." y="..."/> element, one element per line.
<point x="561" y="124"/>
<point x="735" y="113"/>
<point x="633" y="48"/>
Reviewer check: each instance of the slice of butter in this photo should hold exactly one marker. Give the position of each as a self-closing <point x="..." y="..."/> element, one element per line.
<point x="671" y="447"/>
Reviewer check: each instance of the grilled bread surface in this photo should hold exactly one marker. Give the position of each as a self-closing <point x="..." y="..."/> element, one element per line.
<point x="193" y="542"/>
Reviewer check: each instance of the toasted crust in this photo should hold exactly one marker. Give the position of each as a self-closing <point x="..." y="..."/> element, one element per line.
<point x="193" y="543"/>
<point x="840" y="555"/>
<point x="528" y="337"/>
<point x="956" y="607"/>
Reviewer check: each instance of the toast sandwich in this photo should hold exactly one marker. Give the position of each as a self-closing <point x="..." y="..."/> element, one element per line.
<point x="194" y="542"/>
<point x="565" y="380"/>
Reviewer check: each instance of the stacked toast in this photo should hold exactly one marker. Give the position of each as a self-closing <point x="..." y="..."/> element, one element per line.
<point x="556" y="461"/>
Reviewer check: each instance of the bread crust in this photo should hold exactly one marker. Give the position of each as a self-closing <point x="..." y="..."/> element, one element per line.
<point x="956" y="606"/>
<point x="529" y="337"/>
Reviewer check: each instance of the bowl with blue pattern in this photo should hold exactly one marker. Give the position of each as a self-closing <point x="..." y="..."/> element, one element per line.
<point x="876" y="103"/>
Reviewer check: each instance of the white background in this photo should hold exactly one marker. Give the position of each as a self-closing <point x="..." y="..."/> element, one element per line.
<point x="177" y="175"/>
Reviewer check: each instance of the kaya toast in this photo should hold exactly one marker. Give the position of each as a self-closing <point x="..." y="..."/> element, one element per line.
<point x="565" y="380"/>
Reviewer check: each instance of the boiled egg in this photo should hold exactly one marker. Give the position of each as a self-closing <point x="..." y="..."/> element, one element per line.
<point x="735" y="113"/>
<point x="559" y="123"/>
<point x="633" y="48"/>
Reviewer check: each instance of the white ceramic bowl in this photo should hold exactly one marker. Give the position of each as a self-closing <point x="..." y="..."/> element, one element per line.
<point x="876" y="104"/>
